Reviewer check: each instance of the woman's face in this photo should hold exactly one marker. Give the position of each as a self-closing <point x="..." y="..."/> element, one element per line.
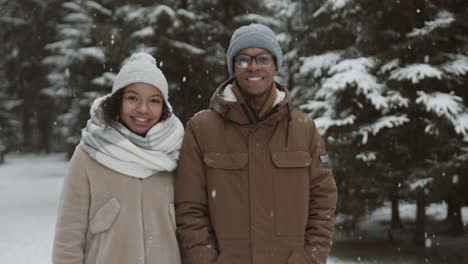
<point x="141" y="107"/>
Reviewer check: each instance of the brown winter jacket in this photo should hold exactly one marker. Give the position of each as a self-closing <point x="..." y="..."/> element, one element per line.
<point x="254" y="192"/>
<point x="109" y="218"/>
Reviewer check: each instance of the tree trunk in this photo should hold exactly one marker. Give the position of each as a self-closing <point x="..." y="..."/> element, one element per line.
<point x="449" y="209"/>
<point x="395" y="199"/>
<point x="27" y="145"/>
<point x="45" y="125"/>
<point x="454" y="214"/>
<point x="420" y="231"/>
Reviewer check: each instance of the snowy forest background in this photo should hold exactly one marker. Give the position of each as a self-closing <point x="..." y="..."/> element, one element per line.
<point x="385" y="81"/>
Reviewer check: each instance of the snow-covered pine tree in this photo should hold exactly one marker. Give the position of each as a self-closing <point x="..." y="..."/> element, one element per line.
<point x="392" y="97"/>
<point x="430" y="68"/>
<point x="336" y="85"/>
<point x="78" y="64"/>
<point x="27" y="26"/>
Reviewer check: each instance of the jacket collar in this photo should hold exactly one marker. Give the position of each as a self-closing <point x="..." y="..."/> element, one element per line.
<point x="225" y="104"/>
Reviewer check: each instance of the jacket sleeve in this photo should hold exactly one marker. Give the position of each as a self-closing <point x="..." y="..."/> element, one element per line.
<point x="322" y="202"/>
<point x="72" y="221"/>
<point x="192" y="215"/>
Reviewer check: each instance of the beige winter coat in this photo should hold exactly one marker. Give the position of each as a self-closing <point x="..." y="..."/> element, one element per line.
<point x="108" y="218"/>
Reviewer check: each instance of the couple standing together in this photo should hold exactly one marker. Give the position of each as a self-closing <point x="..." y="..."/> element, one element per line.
<point x="249" y="182"/>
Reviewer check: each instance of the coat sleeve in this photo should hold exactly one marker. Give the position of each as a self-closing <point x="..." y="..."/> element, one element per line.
<point x="192" y="215"/>
<point x="72" y="221"/>
<point x="322" y="202"/>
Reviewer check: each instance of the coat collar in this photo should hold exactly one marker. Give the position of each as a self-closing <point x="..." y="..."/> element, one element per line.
<point x="237" y="112"/>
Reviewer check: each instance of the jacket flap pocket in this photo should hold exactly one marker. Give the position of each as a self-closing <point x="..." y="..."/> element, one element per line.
<point x="227" y="161"/>
<point x="291" y="159"/>
<point x="104" y="217"/>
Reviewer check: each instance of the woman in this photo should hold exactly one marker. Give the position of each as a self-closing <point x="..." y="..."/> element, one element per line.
<point x="117" y="199"/>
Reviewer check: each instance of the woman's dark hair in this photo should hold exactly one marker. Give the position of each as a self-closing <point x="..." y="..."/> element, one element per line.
<point x="111" y="108"/>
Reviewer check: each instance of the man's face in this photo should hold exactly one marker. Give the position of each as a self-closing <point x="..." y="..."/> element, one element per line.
<point x="255" y="80"/>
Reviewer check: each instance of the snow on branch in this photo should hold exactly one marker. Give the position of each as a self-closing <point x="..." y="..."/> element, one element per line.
<point x="72" y="6"/>
<point x="444" y="19"/>
<point x="318" y="108"/>
<point x="142" y="33"/>
<point x="250" y="18"/>
<point x="377" y="100"/>
<point x="187" y="47"/>
<point x="331" y="5"/>
<point x="105" y="80"/>
<point x="367" y="156"/>
<point x="448" y="106"/>
<point x="415" y="73"/>
<point x="323" y="123"/>
<point x="319" y="64"/>
<point x="71" y="33"/>
<point x="354" y="73"/>
<point x="359" y="64"/>
<point x="442" y="104"/>
<point x="12" y="20"/>
<point x="77" y="18"/>
<point x="93" y="52"/>
<point x="133" y="14"/>
<point x="187" y="14"/>
<point x="393" y="64"/>
<point x="60" y="45"/>
<point x="99" y="8"/>
<point x="420" y="183"/>
<point x="313" y="105"/>
<point x="460" y="124"/>
<point x="59" y="61"/>
<point x="381" y="123"/>
<point x="394" y="98"/>
<point x="159" y="11"/>
<point x="458" y="66"/>
<point x="8" y="105"/>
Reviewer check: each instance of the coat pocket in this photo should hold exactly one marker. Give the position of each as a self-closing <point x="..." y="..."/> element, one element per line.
<point x="225" y="161"/>
<point x="227" y="186"/>
<point x="104" y="217"/>
<point x="291" y="191"/>
<point x="298" y="256"/>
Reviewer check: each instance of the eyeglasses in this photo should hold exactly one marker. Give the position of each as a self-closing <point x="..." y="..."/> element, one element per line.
<point x="244" y="60"/>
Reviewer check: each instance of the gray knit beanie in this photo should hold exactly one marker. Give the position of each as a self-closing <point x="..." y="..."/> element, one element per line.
<point x="141" y="68"/>
<point x="253" y="35"/>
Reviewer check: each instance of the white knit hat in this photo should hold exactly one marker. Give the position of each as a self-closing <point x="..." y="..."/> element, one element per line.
<point x="141" y="68"/>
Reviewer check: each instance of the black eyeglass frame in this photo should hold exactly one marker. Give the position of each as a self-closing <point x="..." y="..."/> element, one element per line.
<point x="252" y="58"/>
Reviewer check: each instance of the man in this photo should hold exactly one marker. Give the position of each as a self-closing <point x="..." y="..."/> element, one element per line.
<point x="254" y="184"/>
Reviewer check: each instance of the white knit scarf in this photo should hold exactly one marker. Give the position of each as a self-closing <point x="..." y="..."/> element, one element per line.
<point x="121" y="150"/>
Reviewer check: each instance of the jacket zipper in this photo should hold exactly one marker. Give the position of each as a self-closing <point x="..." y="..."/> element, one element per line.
<point x="247" y="113"/>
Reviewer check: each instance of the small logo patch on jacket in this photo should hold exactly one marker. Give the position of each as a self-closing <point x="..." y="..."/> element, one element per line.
<point x="324" y="159"/>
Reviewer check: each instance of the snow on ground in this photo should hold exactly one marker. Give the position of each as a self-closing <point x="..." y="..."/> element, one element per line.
<point x="29" y="191"/>
<point x="374" y="221"/>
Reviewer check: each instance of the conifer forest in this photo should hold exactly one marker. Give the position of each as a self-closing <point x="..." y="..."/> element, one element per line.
<point x="386" y="83"/>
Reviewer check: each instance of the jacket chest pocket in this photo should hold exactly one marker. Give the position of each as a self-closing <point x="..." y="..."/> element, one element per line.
<point x="219" y="166"/>
<point x="291" y="191"/>
<point x="227" y="187"/>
